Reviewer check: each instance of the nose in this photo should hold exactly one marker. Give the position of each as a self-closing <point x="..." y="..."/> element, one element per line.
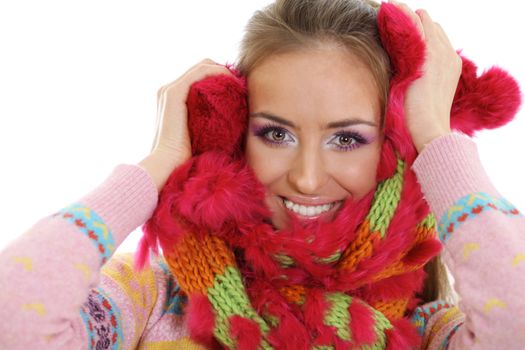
<point x="307" y="174"/>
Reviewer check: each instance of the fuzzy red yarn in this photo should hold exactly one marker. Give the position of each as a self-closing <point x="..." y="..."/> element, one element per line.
<point x="245" y="332"/>
<point x="201" y="321"/>
<point x="420" y="251"/>
<point x="206" y="98"/>
<point x="362" y="326"/>
<point x="402" y="336"/>
<point x="485" y="102"/>
<point x="316" y="306"/>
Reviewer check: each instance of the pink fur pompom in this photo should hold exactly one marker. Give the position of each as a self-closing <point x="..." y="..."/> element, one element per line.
<point x="485" y="102"/>
<point x="220" y="190"/>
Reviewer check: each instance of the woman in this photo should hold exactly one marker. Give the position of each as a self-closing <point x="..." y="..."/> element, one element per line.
<point x="311" y="156"/>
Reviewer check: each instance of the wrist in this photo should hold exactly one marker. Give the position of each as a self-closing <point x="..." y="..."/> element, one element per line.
<point x="159" y="166"/>
<point x="422" y="140"/>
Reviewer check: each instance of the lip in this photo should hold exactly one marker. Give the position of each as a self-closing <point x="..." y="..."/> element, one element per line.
<point x="312" y="201"/>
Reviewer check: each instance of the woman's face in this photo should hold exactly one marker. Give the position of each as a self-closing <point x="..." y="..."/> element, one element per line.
<point x="314" y="135"/>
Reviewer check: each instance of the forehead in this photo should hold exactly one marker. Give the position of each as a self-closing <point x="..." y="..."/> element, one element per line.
<point x="322" y="84"/>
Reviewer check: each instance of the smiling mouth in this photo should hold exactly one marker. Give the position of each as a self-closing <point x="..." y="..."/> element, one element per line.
<point x="308" y="211"/>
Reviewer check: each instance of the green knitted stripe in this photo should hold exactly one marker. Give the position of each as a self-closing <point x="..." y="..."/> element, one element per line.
<point x="229" y="298"/>
<point x="284" y="260"/>
<point x="428" y="222"/>
<point x="386" y="199"/>
<point x="332" y="258"/>
<point x="338" y="315"/>
<point x="287" y="261"/>
<point x="381" y="325"/>
<point x="271" y="319"/>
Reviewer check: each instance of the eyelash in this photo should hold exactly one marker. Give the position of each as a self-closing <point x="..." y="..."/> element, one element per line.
<point x="264" y="131"/>
<point x="358" y="138"/>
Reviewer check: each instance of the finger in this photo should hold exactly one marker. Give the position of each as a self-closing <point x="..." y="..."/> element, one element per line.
<point x="163" y="88"/>
<point x="427" y="22"/>
<point x="179" y="89"/>
<point x="435" y="29"/>
<point x="198" y="72"/>
<point x="205" y="71"/>
<point x="212" y="69"/>
<point x="441" y="33"/>
<point x="206" y="61"/>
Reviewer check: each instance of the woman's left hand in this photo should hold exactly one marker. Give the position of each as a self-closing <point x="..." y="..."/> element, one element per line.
<point x="428" y="100"/>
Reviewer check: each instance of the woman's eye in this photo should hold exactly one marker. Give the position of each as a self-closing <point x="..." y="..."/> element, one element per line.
<point x="275" y="135"/>
<point x="346" y="141"/>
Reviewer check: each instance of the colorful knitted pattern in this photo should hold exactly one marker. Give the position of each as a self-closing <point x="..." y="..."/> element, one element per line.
<point x="270" y="312"/>
<point x="92" y="225"/>
<point x="470" y="206"/>
<point x="344" y="284"/>
<point x="104" y="328"/>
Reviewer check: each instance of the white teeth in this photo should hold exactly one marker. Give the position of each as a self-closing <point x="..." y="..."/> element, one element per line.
<point x="309" y="211"/>
<point x="304" y="210"/>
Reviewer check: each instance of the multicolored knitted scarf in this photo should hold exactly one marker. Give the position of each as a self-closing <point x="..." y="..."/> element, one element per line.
<point x="349" y="283"/>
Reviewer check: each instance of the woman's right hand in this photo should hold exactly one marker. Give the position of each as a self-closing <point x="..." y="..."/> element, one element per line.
<point x="172" y="146"/>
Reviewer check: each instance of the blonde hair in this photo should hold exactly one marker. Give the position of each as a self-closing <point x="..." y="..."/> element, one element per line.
<point x="288" y="25"/>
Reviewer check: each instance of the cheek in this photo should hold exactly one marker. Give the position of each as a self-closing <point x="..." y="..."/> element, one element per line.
<point x="356" y="172"/>
<point x="269" y="164"/>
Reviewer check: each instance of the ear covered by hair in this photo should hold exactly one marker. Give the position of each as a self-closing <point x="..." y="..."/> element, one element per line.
<point x="218" y="114"/>
<point x="481" y="102"/>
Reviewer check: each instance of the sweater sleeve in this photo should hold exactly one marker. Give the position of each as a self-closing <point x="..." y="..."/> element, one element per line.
<point x="51" y="296"/>
<point x="484" y="249"/>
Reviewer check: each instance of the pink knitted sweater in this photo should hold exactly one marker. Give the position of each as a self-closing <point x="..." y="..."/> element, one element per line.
<point x="62" y="288"/>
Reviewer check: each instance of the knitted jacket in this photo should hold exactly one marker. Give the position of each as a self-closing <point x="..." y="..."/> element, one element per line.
<point x="62" y="288"/>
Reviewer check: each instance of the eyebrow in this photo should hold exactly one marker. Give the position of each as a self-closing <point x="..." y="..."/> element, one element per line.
<point x="333" y="125"/>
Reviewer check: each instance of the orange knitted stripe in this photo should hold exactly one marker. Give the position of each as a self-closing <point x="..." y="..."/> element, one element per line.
<point x="399" y="266"/>
<point x="293" y="294"/>
<point x="423" y="233"/>
<point x="360" y="248"/>
<point x="196" y="262"/>
<point x="392" y="309"/>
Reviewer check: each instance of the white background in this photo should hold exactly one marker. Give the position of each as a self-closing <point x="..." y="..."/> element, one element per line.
<point x="78" y="83"/>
